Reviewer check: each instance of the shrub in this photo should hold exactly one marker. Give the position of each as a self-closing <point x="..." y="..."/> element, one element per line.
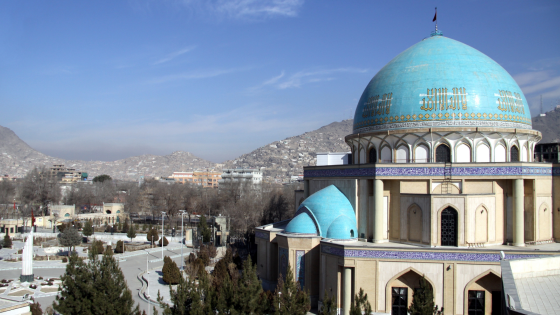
<point x="144" y="227"/>
<point x="152" y="235"/>
<point x="98" y="246"/>
<point x="165" y="241"/>
<point x="108" y="250"/>
<point x="64" y="259"/>
<point x="171" y="273"/>
<point x="119" y="249"/>
<point x="7" y="240"/>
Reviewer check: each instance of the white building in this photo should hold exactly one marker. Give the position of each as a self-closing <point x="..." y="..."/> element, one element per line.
<point x="242" y="175"/>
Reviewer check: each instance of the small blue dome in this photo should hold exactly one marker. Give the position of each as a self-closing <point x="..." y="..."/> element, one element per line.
<point x="302" y="223"/>
<point x="327" y="213"/>
<point x="342" y="228"/>
<point x="440" y="82"/>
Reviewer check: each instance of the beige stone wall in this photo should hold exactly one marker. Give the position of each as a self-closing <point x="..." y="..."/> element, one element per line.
<point x="438" y="205"/>
<point x="556" y="206"/>
<point x="391" y="270"/>
<point x="407" y="204"/>
<point x="481" y="220"/>
<point x="544" y="209"/>
<point x="465" y="273"/>
<point x="478" y="187"/>
<point x="414" y="187"/>
<point x="529" y="213"/>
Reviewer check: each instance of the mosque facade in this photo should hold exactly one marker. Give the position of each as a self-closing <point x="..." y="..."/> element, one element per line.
<point x="442" y="184"/>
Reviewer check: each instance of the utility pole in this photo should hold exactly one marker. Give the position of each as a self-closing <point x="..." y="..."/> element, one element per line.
<point x="162" y="235"/>
<point x="182" y="236"/>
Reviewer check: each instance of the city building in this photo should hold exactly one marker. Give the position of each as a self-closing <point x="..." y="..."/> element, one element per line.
<point x="66" y="175"/>
<point x="242" y="175"/>
<point x="547" y="152"/>
<point x="442" y="184"/>
<point x="334" y="158"/>
<point x="206" y="179"/>
<point x="182" y="177"/>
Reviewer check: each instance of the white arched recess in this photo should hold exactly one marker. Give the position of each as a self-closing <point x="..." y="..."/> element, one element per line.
<point x="421" y="154"/>
<point x="482" y="153"/>
<point x="386" y="156"/>
<point x="463" y="153"/>
<point x="402" y="154"/>
<point x="500" y="153"/>
<point x="467" y="146"/>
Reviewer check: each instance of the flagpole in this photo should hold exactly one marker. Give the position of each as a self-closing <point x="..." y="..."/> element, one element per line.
<point x="436" y="19"/>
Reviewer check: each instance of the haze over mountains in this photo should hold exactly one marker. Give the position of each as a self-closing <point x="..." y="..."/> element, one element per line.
<point x="279" y="159"/>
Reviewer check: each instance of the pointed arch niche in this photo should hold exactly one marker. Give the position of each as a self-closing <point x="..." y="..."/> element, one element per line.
<point x="500" y="153"/>
<point x="414" y="223"/>
<point x="481" y="225"/>
<point x="421" y="154"/>
<point x="482" y="153"/>
<point x="463" y="153"/>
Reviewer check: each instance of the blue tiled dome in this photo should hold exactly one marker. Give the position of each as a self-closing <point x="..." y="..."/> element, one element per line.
<point x="326" y="213"/>
<point x="440" y="82"/>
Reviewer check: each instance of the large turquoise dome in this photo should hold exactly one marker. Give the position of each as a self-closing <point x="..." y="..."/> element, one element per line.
<point x="440" y="82"/>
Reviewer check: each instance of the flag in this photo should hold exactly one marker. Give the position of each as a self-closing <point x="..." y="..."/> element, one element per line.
<point x="435" y="16"/>
<point x="32" y="218"/>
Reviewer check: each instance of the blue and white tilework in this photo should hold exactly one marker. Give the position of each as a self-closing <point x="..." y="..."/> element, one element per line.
<point x="300" y="267"/>
<point x="261" y="235"/>
<point x="419" y="255"/>
<point x="283" y="260"/>
<point x="433" y="171"/>
<point x="556" y="171"/>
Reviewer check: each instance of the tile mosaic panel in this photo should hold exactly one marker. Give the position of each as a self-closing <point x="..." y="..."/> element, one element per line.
<point x="419" y="255"/>
<point x="433" y="171"/>
<point x="261" y="235"/>
<point x="556" y="171"/>
<point x="300" y="267"/>
<point x="283" y="260"/>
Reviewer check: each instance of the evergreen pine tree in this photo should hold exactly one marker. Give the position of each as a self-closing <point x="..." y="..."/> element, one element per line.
<point x="7" y="240"/>
<point x="171" y="272"/>
<point x="119" y="249"/>
<point x="289" y="298"/>
<point x="204" y="230"/>
<point x="165" y="241"/>
<point x="360" y="305"/>
<point x="70" y="238"/>
<point x="249" y="290"/>
<point x="35" y="308"/>
<point x="329" y="305"/>
<point x="87" y="230"/>
<point x="423" y="300"/>
<point x="131" y="233"/>
<point x="152" y="236"/>
<point x="125" y="226"/>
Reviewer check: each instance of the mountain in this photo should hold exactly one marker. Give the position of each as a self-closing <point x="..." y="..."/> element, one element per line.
<point x="548" y="125"/>
<point x="17" y="158"/>
<point x="288" y="157"/>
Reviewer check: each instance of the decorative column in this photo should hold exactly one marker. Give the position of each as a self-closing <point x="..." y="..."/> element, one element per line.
<point x="518" y="209"/>
<point x="378" y="211"/>
<point x="27" y="260"/>
<point x="347" y="290"/>
<point x="362" y="207"/>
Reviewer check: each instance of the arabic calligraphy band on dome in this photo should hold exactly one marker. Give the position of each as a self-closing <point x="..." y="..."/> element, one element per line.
<point x="442" y="92"/>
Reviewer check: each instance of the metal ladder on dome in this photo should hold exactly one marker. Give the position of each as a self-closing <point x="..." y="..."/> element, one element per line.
<point x="446" y="185"/>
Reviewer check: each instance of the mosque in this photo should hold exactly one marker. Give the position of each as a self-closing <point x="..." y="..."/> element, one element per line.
<point x="441" y="184"/>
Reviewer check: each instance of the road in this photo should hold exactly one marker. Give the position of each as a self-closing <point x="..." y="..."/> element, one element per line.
<point x="131" y="266"/>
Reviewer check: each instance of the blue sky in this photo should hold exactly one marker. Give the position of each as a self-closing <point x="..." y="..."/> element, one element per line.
<point x="104" y="80"/>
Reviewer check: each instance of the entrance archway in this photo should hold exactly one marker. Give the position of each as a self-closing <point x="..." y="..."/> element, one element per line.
<point x="443" y="154"/>
<point x="449" y="227"/>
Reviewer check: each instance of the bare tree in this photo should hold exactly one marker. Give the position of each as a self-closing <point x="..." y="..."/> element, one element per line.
<point x="7" y="195"/>
<point x="38" y="189"/>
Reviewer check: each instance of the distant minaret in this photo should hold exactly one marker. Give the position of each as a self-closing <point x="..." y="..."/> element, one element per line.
<point x="27" y="260"/>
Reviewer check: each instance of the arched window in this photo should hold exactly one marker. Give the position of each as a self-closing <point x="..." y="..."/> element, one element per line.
<point x="421" y="154"/>
<point x="482" y="153"/>
<point x="514" y="154"/>
<point x="449" y="227"/>
<point x="443" y="154"/>
<point x="500" y="153"/>
<point x="463" y="153"/>
<point x="372" y="158"/>
<point x="402" y="154"/>
<point x="352" y="233"/>
<point x="386" y="155"/>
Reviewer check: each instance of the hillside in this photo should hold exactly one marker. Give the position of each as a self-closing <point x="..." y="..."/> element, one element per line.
<point x="17" y="158"/>
<point x="548" y="125"/>
<point x="288" y="157"/>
